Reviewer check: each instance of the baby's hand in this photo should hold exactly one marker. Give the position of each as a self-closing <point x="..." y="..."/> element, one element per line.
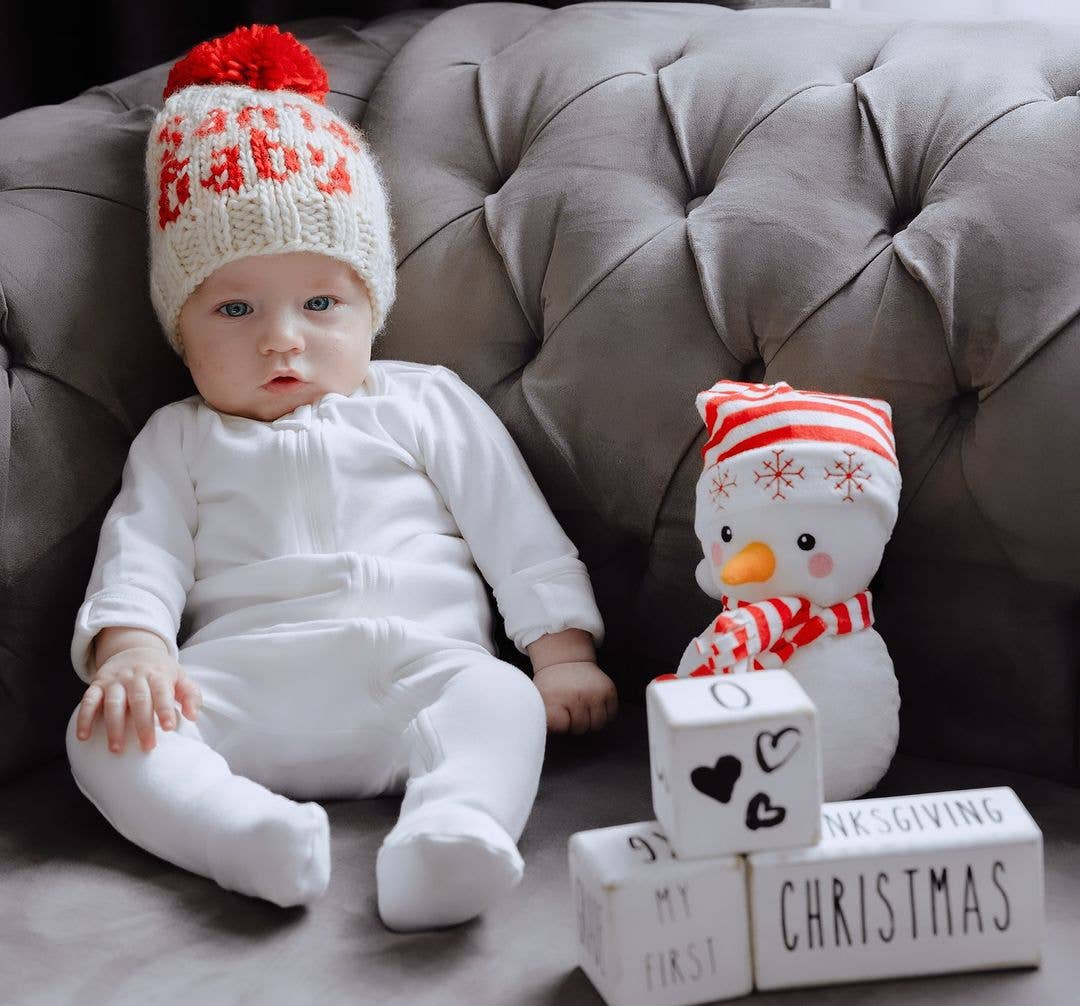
<point x="578" y="696"/>
<point x="144" y="679"/>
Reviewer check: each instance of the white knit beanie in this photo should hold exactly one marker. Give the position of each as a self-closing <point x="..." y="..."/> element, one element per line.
<point x="245" y="159"/>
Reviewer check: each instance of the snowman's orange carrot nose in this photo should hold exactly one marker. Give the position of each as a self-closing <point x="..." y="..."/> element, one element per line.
<point x="754" y="564"/>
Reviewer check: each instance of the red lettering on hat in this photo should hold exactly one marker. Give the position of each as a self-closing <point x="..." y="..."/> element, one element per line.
<point x="269" y="115"/>
<point x="229" y="165"/>
<point x="214" y="122"/>
<point x="338" y="179"/>
<point x="305" y="117"/>
<point x="173" y="172"/>
<point x="260" y="154"/>
<point x="338" y="130"/>
<point x="169" y="135"/>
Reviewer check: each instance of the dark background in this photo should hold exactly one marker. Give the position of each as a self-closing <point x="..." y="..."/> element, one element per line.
<point x="47" y="58"/>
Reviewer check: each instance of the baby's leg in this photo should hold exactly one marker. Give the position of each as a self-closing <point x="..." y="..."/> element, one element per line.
<point x="476" y="755"/>
<point x="181" y="802"/>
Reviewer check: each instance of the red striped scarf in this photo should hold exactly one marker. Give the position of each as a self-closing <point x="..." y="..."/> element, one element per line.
<point x="763" y="634"/>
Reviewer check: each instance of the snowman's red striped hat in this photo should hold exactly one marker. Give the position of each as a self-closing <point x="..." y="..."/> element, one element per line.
<point x="769" y="443"/>
<point x="745" y="417"/>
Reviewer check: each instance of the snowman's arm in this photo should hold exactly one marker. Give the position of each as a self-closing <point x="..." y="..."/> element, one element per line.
<point x="715" y="647"/>
<point x="691" y="659"/>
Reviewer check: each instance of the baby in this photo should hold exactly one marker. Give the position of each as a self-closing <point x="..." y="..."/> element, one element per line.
<point x="310" y="526"/>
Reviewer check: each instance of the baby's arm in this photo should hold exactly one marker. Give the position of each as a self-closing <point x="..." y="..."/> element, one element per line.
<point x="145" y="559"/>
<point x="124" y="644"/>
<point x="541" y="586"/>
<point x="578" y="696"/>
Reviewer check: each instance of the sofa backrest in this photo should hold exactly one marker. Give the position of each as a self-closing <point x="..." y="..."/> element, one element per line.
<point x="600" y="210"/>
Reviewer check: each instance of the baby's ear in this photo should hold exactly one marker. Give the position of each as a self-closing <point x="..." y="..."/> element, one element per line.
<point x="703" y="575"/>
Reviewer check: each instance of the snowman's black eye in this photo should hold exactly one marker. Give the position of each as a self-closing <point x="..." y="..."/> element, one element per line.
<point x="806" y="542"/>
<point x="725" y="533"/>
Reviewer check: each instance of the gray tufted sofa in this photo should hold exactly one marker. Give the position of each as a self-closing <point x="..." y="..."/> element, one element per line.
<point x="599" y="210"/>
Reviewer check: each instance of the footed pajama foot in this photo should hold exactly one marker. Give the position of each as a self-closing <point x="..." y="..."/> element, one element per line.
<point x="281" y="855"/>
<point x="444" y="864"/>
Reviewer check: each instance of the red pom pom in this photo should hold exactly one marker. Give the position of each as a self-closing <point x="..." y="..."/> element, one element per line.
<point x="261" y="56"/>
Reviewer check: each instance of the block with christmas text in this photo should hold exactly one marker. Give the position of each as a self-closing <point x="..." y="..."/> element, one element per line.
<point x="653" y="930"/>
<point x="735" y="762"/>
<point x="897" y="886"/>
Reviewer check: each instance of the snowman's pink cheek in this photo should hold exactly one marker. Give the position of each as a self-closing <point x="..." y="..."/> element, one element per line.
<point x="820" y="565"/>
<point x="717" y="554"/>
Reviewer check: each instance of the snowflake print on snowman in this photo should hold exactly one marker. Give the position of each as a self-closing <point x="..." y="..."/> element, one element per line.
<point x="796" y="501"/>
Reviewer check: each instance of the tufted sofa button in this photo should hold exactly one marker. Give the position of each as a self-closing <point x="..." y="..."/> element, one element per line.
<point x="967" y="404"/>
<point x="753" y="372"/>
<point x="901" y="221"/>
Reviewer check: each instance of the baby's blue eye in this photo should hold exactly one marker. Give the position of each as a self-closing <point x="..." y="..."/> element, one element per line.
<point x="230" y="313"/>
<point x="320" y="300"/>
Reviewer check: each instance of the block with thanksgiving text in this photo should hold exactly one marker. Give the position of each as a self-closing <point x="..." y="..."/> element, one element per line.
<point x="906" y="885"/>
<point x="653" y="930"/>
<point x="735" y="762"/>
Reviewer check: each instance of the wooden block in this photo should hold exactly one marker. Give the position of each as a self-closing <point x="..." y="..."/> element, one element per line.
<point x="906" y="885"/>
<point x="653" y="929"/>
<point x="735" y="762"/>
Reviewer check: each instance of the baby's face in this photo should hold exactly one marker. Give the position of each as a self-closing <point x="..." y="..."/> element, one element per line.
<point x="266" y="334"/>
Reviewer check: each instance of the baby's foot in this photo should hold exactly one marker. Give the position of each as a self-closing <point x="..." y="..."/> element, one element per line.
<point x="280" y="853"/>
<point x="444" y="864"/>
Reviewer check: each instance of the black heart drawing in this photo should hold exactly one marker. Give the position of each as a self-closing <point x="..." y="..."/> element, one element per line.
<point x="717" y="782"/>
<point x="762" y="814"/>
<point x="777" y="751"/>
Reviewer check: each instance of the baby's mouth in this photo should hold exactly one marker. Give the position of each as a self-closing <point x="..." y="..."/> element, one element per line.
<point x="284" y="382"/>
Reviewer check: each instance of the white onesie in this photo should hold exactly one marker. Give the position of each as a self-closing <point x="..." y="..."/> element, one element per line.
<point x="321" y="572"/>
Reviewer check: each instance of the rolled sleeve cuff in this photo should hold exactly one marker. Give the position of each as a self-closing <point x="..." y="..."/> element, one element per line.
<point x="548" y="598"/>
<point x="135" y="609"/>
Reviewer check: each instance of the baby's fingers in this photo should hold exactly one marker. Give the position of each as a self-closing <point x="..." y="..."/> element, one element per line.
<point x="142" y="711"/>
<point x="579" y="718"/>
<point x="189" y="695"/>
<point x="115" y="715"/>
<point x="598" y="716"/>
<point x="163" y="701"/>
<point x="558" y="718"/>
<point x="88" y="709"/>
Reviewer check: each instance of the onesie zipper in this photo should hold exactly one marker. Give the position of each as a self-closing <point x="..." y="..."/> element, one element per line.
<point x="308" y="489"/>
<point x="306" y="463"/>
<point x="288" y="444"/>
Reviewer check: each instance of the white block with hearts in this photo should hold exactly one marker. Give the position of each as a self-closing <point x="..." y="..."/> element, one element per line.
<point x="653" y="930"/>
<point x="906" y="885"/>
<point x="735" y="762"/>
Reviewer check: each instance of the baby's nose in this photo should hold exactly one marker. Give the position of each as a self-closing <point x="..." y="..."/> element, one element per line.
<point x="281" y="337"/>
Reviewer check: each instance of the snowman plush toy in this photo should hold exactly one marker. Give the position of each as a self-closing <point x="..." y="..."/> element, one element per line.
<point x="796" y="501"/>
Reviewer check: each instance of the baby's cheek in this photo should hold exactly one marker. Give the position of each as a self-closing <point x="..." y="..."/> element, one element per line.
<point x="717" y="554"/>
<point x="820" y="565"/>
